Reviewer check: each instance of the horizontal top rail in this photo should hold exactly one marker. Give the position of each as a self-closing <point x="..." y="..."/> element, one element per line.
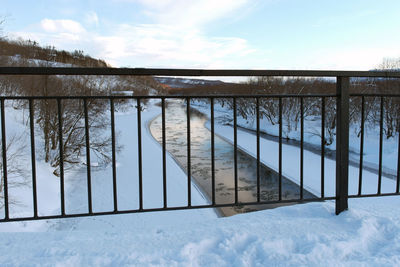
<point x="165" y="96"/>
<point x="121" y="97"/>
<point x="191" y="72"/>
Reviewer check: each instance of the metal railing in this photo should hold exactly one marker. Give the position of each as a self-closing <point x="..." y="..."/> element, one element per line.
<point x="342" y="97"/>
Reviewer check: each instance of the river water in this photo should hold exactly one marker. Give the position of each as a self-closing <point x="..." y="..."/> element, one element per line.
<point x="176" y="145"/>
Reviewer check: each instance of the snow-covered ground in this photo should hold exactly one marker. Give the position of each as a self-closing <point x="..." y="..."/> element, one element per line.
<point x="308" y="234"/>
<point x="127" y="183"/>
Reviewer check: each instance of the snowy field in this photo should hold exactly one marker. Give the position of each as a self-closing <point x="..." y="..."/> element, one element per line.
<point x="308" y="234"/>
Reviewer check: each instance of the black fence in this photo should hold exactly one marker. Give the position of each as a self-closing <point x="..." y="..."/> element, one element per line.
<point x="342" y="97"/>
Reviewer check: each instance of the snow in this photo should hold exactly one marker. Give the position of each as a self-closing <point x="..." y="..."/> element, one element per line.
<point x="368" y="234"/>
<point x="312" y="135"/>
<point x="127" y="183"/>
<point x="18" y="60"/>
<point x="312" y="168"/>
<point x="176" y="82"/>
<point x="312" y="161"/>
<point x="310" y="234"/>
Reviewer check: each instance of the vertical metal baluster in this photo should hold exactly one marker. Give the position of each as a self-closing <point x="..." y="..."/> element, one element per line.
<point x="342" y="143"/>
<point x="322" y="147"/>
<point x="88" y="170"/>
<point x="189" y="182"/>
<point x="398" y="165"/>
<point x="235" y="149"/>
<point x="139" y="127"/>
<point x="212" y="151"/>
<point x="380" y="148"/>
<point x="280" y="149"/>
<point x="4" y="152"/>
<point x="164" y="155"/>
<point x="33" y="157"/>
<point x="301" y="147"/>
<point x="114" y="165"/>
<point x="258" y="148"/>
<point x="61" y="151"/>
<point x="361" y="147"/>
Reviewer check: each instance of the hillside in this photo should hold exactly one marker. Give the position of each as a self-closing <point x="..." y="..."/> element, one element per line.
<point x="27" y="50"/>
<point x="30" y="53"/>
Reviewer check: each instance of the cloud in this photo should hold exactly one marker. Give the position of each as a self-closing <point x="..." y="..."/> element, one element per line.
<point x="62" y="25"/>
<point x="353" y="58"/>
<point x="170" y="45"/>
<point x="191" y="13"/>
<point x="176" y="35"/>
<point x="91" y="18"/>
<point x="163" y="45"/>
<point x="144" y="45"/>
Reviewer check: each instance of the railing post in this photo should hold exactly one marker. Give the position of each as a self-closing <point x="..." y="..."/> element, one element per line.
<point x="342" y="143"/>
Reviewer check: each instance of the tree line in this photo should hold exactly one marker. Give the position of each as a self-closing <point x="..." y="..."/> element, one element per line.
<point x="312" y="106"/>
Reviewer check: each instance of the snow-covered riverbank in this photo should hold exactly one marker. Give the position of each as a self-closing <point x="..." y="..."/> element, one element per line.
<point x="312" y="168"/>
<point x="312" y="161"/>
<point x="312" y="136"/>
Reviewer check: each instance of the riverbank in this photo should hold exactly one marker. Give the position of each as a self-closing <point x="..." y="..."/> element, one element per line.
<point x="312" y="168"/>
<point x="312" y="137"/>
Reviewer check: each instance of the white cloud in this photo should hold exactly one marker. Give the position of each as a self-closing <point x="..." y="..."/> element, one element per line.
<point x="161" y="45"/>
<point x="191" y="13"/>
<point x="364" y="58"/>
<point x="145" y="45"/>
<point x="176" y="37"/>
<point x="91" y="18"/>
<point x="61" y="25"/>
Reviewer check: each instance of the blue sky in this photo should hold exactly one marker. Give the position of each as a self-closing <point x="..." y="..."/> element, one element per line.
<point x="253" y="34"/>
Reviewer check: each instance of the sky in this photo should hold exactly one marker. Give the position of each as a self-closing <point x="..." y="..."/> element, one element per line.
<point x="240" y="34"/>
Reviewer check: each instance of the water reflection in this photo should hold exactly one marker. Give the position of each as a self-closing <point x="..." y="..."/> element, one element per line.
<point x="176" y="144"/>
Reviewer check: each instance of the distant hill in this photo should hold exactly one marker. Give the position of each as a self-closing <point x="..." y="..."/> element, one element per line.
<point x="185" y="82"/>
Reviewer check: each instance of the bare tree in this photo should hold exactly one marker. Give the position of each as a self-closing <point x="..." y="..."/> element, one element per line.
<point x="390" y="64"/>
<point x="391" y="105"/>
<point x="17" y="175"/>
<point x="73" y="123"/>
<point x="72" y="114"/>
